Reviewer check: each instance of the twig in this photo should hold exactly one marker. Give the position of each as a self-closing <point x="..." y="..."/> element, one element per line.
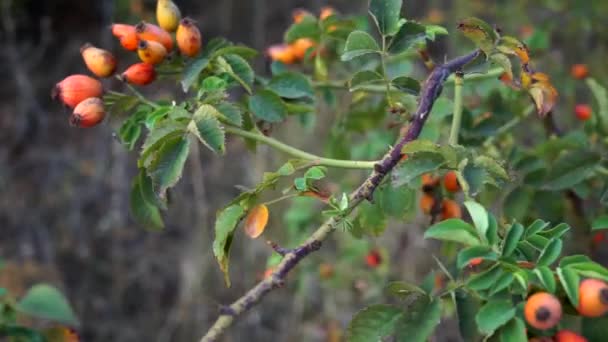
<point x="430" y="92"/>
<point x="457" y="117"/>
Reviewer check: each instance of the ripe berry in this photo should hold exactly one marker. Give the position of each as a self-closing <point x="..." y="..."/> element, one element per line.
<point x="298" y="15"/>
<point x="126" y="35"/>
<point x="101" y="62"/>
<point x="583" y="112"/>
<point x="151" y="52"/>
<point x="282" y="53"/>
<point x="188" y="38"/>
<point x="151" y="32"/>
<point x="429" y="182"/>
<point x="88" y="113"/>
<point x="426" y="203"/>
<point x="76" y="88"/>
<point x="450" y="209"/>
<point x="579" y="71"/>
<point x="475" y="261"/>
<point x="373" y="258"/>
<point x="167" y="15"/>
<point x="139" y="74"/>
<point x="593" y="298"/>
<point x="450" y="182"/>
<point x="326" y="12"/>
<point x="300" y="46"/>
<point x="542" y="310"/>
<point x="568" y="336"/>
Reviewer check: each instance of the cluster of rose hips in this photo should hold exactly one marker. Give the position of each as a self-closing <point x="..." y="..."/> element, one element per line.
<point x="431" y="201"/>
<point x="296" y="51"/>
<point x="543" y="310"/>
<point x="582" y="111"/>
<point x="151" y="42"/>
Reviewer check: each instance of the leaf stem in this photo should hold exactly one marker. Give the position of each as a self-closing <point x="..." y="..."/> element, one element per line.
<point x="141" y="97"/>
<point x="278" y="145"/>
<point x="457" y="116"/>
<point x="279" y="199"/>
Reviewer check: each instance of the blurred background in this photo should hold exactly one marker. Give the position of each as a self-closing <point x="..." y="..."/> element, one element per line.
<point x="64" y="215"/>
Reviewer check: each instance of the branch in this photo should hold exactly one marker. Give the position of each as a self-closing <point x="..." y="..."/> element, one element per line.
<point x="430" y="92"/>
<point x="345" y="164"/>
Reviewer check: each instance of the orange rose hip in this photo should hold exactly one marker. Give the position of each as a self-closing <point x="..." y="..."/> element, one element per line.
<point x="139" y="74"/>
<point x="593" y="298"/>
<point x="188" y="38"/>
<point x="88" y="113"/>
<point x="151" y="52"/>
<point x="100" y="62"/>
<point x="151" y="32"/>
<point x="127" y="36"/>
<point x="542" y="310"/>
<point x="76" y="88"/>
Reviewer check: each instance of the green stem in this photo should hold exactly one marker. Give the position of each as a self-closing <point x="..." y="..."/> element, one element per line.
<point x="282" y="198"/>
<point x="140" y="97"/>
<point x="345" y="164"/>
<point x="457" y="118"/>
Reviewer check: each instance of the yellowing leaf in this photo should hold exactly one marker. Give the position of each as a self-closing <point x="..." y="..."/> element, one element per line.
<point x="60" y="334"/>
<point x="256" y="221"/>
<point x="544" y="96"/>
<point x="480" y="32"/>
<point x="512" y="46"/>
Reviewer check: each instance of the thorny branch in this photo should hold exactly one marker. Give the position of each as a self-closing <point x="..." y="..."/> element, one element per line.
<point x="430" y="92"/>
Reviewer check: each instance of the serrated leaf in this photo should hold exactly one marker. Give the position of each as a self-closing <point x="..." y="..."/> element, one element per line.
<point x="157" y="137"/>
<point x="231" y="112"/>
<point x="409" y="35"/>
<point x="569" y="280"/>
<point x="386" y="14"/>
<point x="493" y="315"/>
<point x="359" y="43"/>
<point x="365" y="78"/>
<point x="455" y="230"/>
<point x="571" y="169"/>
<point x="407" y="85"/>
<point x="192" y="71"/>
<point x="479" y="215"/>
<point x="167" y="166"/>
<point x="514" y="235"/>
<point x="291" y="85"/>
<point x="373" y="323"/>
<point x="466" y="255"/>
<point x="545" y="275"/>
<point x="239" y="69"/>
<point x="419" y="320"/>
<point x="225" y="225"/>
<point x="550" y="253"/>
<point x="240" y="50"/>
<point x="206" y="127"/>
<point x="467" y="306"/>
<point x="45" y="301"/>
<point x="480" y="32"/>
<point x="146" y="213"/>
<point x="513" y="331"/>
<point x="267" y="106"/>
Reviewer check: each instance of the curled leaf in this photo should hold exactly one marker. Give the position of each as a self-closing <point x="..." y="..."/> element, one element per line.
<point x="480" y="32"/>
<point x="512" y="46"/>
<point x="544" y="96"/>
<point x="256" y="221"/>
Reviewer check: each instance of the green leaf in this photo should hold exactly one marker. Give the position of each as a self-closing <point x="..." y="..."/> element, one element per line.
<point x="307" y="28"/>
<point x="267" y="106"/>
<point x="359" y="43"/>
<point x="416" y="165"/>
<point x="518" y="202"/>
<point x="291" y="85"/>
<point x="365" y="78"/>
<point x="403" y="290"/>
<point x="480" y="32"/>
<point x="486" y="279"/>
<point x="214" y="84"/>
<point x="371" y="219"/>
<point x="231" y="112"/>
<point x="545" y="275"/>
<point x="239" y="69"/>
<point x="386" y="14"/>
<point x="493" y="315"/>
<point x="601" y="96"/>
<point x="474" y="177"/>
<point x="514" y="235"/>
<point x="168" y="163"/>
<point x="374" y="323"/>
<point x="537" y="226"/>
<point x="225" y="224"/>
<point x="45" y="301"/>
<point x="492" y="232"/>
<point x="569" y="280"/>
<point x="419" y="320"/>
<point x="492" y="167"/>
<point x="432" y="31"/>
<point x="514" y="331"/>
<point x="466" y="255"/>
<point x="502" y="283"/>
<point x="147" y="214"/>
<point x="571" y="169"/>
<point x="129" y="133"/>
<point x="240" y="50"/>
<point x="409" y="35"/>
<point x="398" y="202"/>
<point x="192" y="71"/>
<point x="467" y="306"/>
<point x="556" y="232"/>
<point x="479" y="215"/>
<point x="315" y="173"/>
<point x="600" y="223"/>
<point x="160" y="134"/>
<point x="590" y="269"/>
<point x="207" y="128"/>
<point x="504" y="62"/>
<point x="538" y="242"/>
<point x="407" y="85"/>
<point x="455" y="230"/>
<point x="551" y="253"/>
